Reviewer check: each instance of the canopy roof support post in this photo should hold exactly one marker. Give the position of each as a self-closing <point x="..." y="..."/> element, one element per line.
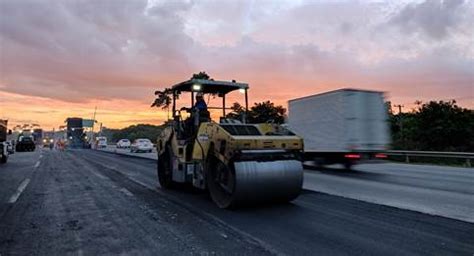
<point x="223" y="106"/>
<point x="174" y="104"/>
<point x="246" y="106"/>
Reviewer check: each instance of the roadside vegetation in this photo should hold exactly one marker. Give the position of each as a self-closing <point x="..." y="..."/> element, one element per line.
<point x="133" y="132"/>
<point x="433" y="126"/>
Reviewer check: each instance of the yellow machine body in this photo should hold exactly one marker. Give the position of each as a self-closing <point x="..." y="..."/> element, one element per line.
<point x="238" y="163"/>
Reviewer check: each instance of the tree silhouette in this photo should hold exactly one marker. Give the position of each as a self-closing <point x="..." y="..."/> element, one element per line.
<point x="163" y="98"/>
<point x="201" y="75"/>
<point x="259" y="113"/>
<point x="267" y="112"/>
<point x="237" y="111"/>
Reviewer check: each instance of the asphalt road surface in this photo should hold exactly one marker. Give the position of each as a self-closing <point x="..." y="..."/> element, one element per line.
<point x="84" y="202"/>
<point x="436" y="190"/>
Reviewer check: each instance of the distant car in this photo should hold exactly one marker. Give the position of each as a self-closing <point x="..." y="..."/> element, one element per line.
<point x="123" y="143"/>
<point x="101" y="142"/>
<point x="25" y="143"/>
<point x="48" y="142"/>
<point x="141" y="145"/>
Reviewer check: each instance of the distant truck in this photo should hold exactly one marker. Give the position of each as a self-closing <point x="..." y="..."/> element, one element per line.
<point x="4" y="146"/>
<point x="342" y="126"/>
<point x="38" y="136"/>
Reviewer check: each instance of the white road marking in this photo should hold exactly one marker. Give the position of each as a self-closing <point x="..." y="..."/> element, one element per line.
<point x="141" y="183"/>
<point x="37" y="164"/>
<point x="126" y="192"/>
<point x="18" y="192"/>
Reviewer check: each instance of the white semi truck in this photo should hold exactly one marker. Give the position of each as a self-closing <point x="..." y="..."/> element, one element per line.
<point x="342" y="126"/>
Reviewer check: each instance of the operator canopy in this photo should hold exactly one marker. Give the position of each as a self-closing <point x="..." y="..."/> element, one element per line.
<point x="209" y="86"/>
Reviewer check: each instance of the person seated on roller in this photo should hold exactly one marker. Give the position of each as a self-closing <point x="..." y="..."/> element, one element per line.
<point x="199" y="113"/>
<point x="201" y="108"/>
<point x="200" y="103"/>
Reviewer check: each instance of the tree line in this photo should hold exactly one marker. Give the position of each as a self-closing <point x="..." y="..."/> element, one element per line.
<point x="433" y="126"/>
<point x="139" y="131"/>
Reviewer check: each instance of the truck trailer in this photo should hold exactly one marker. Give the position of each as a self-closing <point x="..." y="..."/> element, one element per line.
<point x="341" y="127"/>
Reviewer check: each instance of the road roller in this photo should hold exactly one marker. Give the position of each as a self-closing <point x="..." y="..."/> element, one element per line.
<point x="239" y="163"/>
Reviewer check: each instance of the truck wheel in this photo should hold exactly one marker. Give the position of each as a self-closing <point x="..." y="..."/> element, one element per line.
<point x="348" y="165"/>
<point x="165" y="170"/>
<point x="319" y="162"/>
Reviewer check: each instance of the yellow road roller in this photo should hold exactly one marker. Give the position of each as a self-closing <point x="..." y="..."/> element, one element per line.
<point x="238" y="162"/>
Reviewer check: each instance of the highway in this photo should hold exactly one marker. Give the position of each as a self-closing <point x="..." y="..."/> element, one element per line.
<point x="436" y="190"/>
<point x="86" y="202"/>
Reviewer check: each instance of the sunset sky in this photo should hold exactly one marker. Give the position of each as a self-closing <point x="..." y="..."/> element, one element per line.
<point x="62" y="58"/>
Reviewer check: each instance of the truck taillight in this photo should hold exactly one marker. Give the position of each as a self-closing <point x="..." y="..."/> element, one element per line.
<point x="352" y="156"/>
<point x="380" y="155"/>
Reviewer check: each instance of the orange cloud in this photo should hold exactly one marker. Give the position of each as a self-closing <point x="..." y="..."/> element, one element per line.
<point x="49" y="113"/>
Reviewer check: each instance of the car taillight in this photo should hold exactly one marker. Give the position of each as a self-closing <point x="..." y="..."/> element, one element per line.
<point x="352" y="156"/>
<point x="380" y="155"/>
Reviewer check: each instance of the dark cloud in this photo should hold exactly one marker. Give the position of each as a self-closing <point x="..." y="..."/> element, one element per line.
<point x="78" y="50"/>
<point x="73" y="50"/>
<point x="434" y="18"/>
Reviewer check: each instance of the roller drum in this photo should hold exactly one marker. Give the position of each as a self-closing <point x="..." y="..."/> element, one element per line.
<point x="267" y="181"/>
<point x="250" y="182"/>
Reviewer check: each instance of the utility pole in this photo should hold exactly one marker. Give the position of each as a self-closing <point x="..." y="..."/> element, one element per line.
<point x="399" y="108"/>
<point x="400" y="123"/>
<point x="93" y="123"/>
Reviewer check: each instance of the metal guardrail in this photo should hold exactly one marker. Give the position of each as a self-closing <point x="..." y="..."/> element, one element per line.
<point x="407" y="154"/>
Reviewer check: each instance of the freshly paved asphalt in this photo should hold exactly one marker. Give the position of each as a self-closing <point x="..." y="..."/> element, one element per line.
<point x="84" y="202"/>
<point x="436" y="190"/>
